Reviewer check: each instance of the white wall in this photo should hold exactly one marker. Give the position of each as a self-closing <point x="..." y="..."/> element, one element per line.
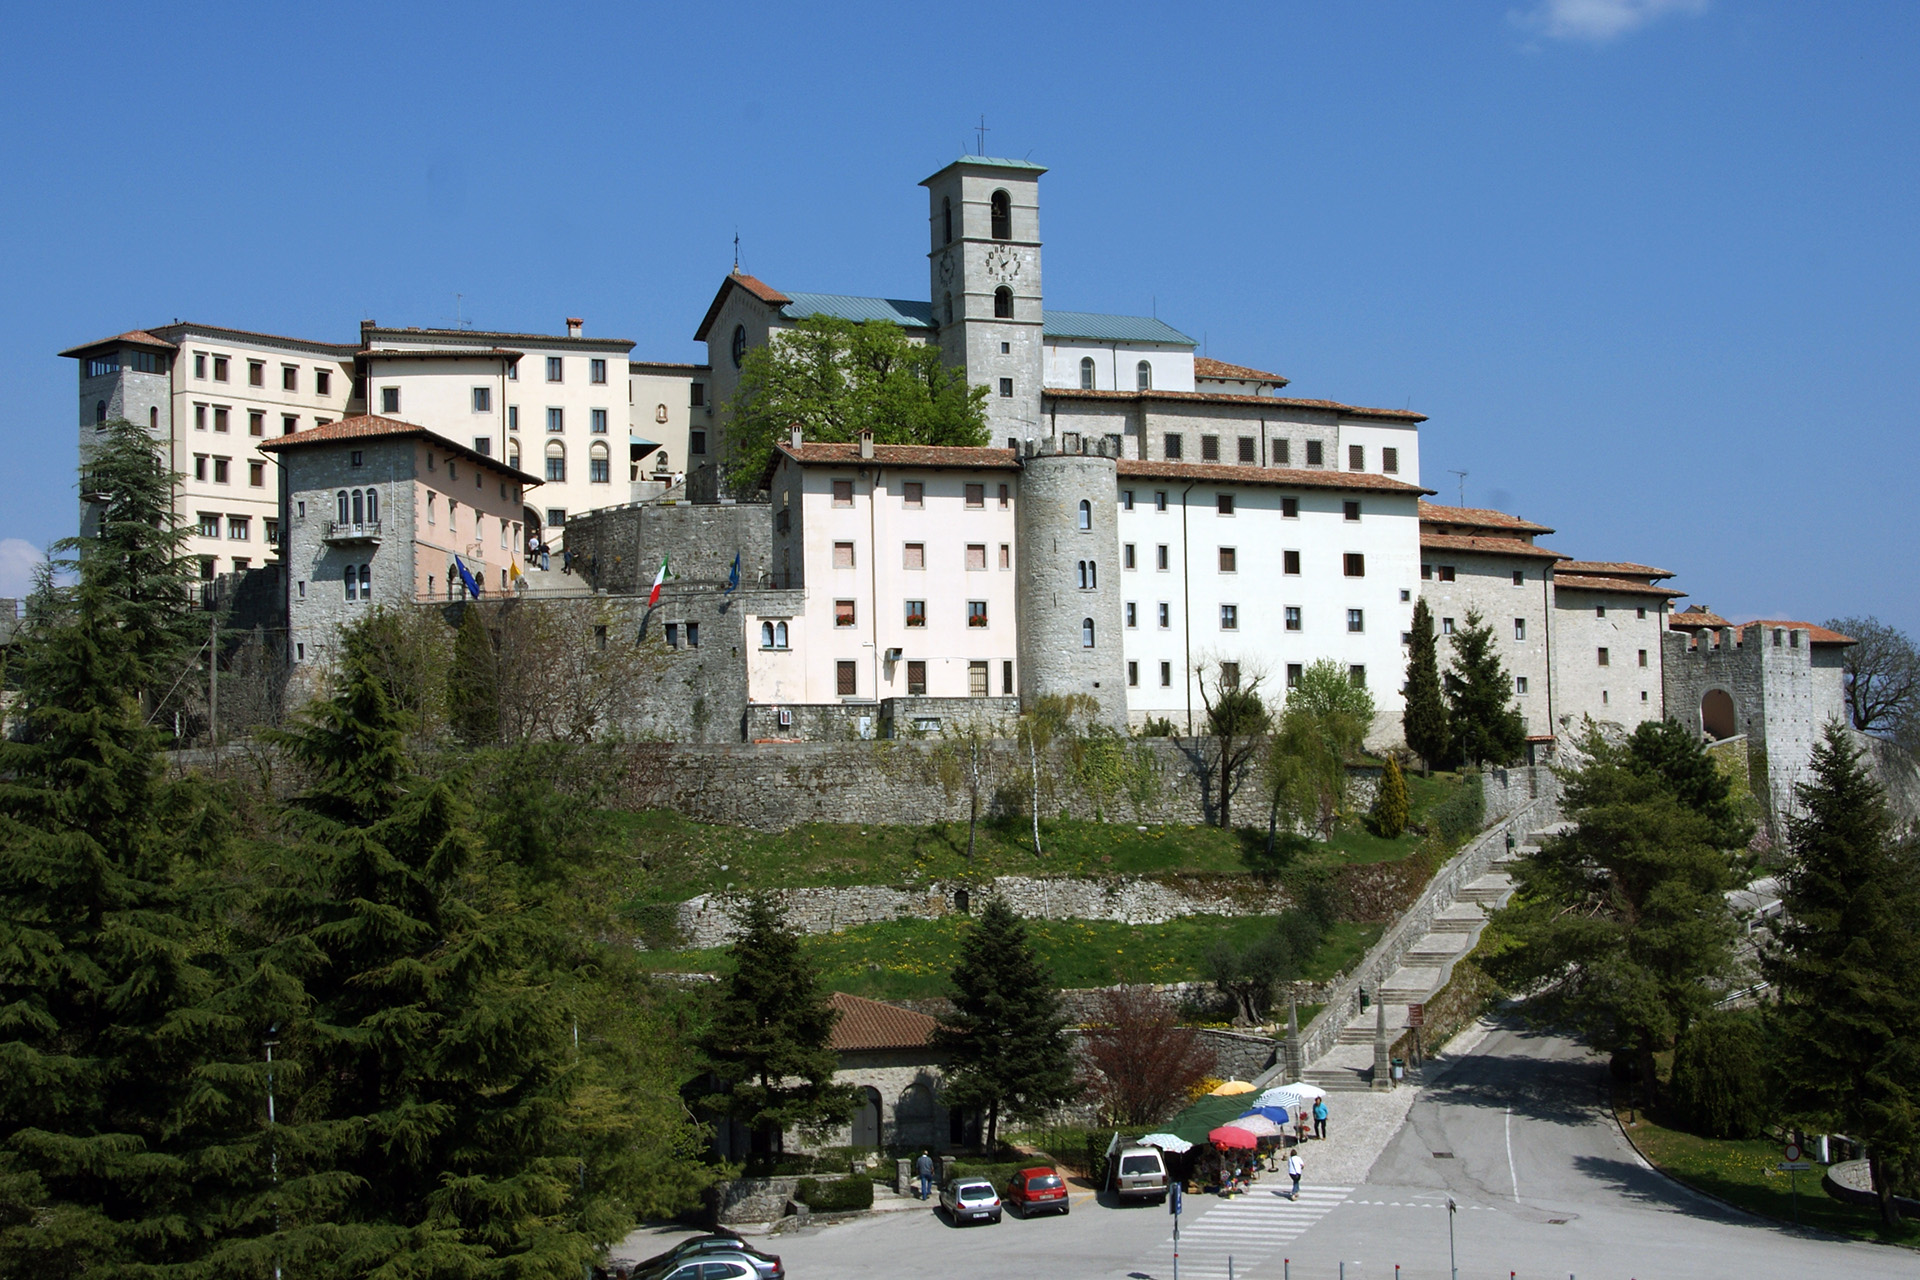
<point x="1115" y="364"/>
<point x="1622" y="692"/>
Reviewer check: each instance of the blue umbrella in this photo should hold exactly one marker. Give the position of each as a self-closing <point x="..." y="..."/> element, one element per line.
<point x="1274" y="1112"/>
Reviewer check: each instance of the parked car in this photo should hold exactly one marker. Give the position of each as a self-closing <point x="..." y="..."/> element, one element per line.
<point x="766" y="1265"/>
<point x="702" y="1265"/>
<point x="970" y="1199"/>
<point x="1036" y="1190"/>
<point x="1140" y="1174"/>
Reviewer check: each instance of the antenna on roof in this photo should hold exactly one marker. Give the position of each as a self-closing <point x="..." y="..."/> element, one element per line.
<point x="736" y="251"/>
<point x="1463" y="485"/>
<point x="980" y="132"/>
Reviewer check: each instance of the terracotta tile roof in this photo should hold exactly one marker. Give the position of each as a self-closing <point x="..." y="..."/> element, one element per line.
<point x="1816" y="634"/>
<point x="370" y="426"/>
<point x="1615" y="569"/>
<point x="827" y="453"/>
<point x="180" y="328"/>
<point x="1477" y="517"/>
<point x="1285" y="477"/>
<point x="368" y="330"/>
<point x="1696" y="616"/>
<point x="439" y="353"/>
<point x="1584" y="582"/>
<point x="131" y="338"/>
<point x="1203" y="367"/>
<point x="1486" y="546"/>
<point x="871" y="1024"/>
<point x="638" y="366"/>
<point x="737" y="280"/>
<point x="1209" y="397"/>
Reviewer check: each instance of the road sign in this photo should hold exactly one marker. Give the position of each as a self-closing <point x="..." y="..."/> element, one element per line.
<point x="1416" y="1015"/>
<point x="1792" y="1152"/>
<point x="1794" y="1166"/>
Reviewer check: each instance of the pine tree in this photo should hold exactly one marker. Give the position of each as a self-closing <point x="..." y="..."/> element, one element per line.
<point x="1425" y="719"/>
<point x="1847" y="1027"/>
<point x="473" y="687"/>
<point x="1391" y="807"/>
<point x="1482" y="720"/>
<point x="768" y="1039"/>
<point x="1006" y="1041"/>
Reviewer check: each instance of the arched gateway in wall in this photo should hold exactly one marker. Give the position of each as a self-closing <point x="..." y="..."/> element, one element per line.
<point x="1716" y="714"/>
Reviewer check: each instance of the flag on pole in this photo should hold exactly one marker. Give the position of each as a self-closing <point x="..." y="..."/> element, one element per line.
<point x="473" y="588"/>
<point x="659" y="579"/>
<point x="733" y="576"/>
<point x="514" y="575"/>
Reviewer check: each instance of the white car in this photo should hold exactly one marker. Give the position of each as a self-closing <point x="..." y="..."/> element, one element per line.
<point x="1139" y="1173"/>
<point x="969" y="1200"/>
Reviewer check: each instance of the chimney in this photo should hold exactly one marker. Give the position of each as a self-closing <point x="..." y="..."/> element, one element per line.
<point x="793" y="435"/>
<point x="866" y="446"/>
<point x="574" y="325"/>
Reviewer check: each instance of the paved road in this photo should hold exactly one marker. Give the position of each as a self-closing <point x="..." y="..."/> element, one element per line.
<point x="1544" y="1182"/>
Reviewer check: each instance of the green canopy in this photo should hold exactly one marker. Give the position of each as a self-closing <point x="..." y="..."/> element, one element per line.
<point x="1203" y="1117"/>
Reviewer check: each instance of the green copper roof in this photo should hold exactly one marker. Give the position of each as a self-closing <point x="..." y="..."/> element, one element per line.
<point x="910" y="314"/>
<point x="902" y="311"/>
<point x="990" y="162"/>
<point x="1104" y="328"/>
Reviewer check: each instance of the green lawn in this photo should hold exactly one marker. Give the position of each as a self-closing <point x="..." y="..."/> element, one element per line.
<point x="679" y="858"/>
<point x="912" y="958"/>
<point x="1743" y="1173"/>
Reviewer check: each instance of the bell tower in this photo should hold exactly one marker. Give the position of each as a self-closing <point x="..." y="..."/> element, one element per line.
<point x="983" y="265"/>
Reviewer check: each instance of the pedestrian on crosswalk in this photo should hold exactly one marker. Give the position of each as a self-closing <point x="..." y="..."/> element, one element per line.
<point x="1295" y="1167"/>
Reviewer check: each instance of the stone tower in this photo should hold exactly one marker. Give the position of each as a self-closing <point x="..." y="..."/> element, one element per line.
<point x="126" y="377"/>
<point x="983" y="265"/>
<point x="1068" y="578"/>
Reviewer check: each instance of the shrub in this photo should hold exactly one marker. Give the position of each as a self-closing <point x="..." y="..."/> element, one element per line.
<point x="1462" y="813"/>
<point x="1391" y="805"/>
<point x="835" y="1195"/>
<point x="1719" y="1086"/>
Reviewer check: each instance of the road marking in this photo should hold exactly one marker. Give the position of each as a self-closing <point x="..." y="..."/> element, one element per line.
<point x="1248" y="1229"/>
<point x="1511" y="1172"/>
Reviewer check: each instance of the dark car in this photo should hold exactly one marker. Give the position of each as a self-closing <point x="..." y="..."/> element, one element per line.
<point x="1036" y="1190"/>
<point x="766" y="1265"/>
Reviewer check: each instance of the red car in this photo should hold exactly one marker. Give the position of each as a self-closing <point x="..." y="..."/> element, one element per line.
<point x="1036" y="1190"/>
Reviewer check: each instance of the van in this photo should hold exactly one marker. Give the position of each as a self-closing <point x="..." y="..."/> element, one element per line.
<point x="1140" y="1174"/>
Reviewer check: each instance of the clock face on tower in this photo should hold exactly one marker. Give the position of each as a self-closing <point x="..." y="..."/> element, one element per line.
<point x="946" y="268"/>
<point x="1003" y="263"/>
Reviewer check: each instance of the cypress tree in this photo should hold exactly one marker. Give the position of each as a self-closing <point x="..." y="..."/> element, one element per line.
<point x="1391" y="807"/>
<point x="1006" y="1041"/>
<point x="1484" y="723"/>
<point x="1425" y="719"/>
<point x="1847" y="1026"/>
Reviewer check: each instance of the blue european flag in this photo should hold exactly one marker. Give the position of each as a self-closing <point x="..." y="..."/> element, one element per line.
<point x="733" y="575"/>
<point x="473" y="588"/>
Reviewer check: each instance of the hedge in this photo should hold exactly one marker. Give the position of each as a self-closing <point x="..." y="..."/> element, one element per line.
<point x="835" y="1195"/>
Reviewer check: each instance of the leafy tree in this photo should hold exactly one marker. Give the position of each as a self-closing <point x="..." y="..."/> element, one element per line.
<point x="1620" y="924"/>
<point x="473" y="686"/>
<point x="1719" y="1085"/>
<point x="1237" y="721"/>
<point x="1006" y="1040"/>
<point x="1882" y="678"/>
<point x="1392" y="807"/>
<point x="1141" y="1060"/>
<point x="837" y="378"/>
<point x="1322" y="728"/>
<point x="1247" y="975"/>
<point x="1847" y="1027"/>
<point x="1481" y="717"/>
<point x="1425" y="719"/>
<point x="768" y="1038"/>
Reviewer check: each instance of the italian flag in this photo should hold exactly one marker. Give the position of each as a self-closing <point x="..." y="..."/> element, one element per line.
<point x="653" y="597"/>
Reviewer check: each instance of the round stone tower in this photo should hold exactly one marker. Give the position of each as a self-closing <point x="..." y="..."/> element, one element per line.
<point x="1068" y="578"/>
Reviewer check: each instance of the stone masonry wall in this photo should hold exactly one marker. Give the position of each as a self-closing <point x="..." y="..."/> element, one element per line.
<point x="618" y="549"/>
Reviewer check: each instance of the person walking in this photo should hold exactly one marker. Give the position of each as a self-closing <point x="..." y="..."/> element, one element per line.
<point x="1295" y="1167"/>
<point x="1319" y="1117"/>
<point x="923" y="1167"/>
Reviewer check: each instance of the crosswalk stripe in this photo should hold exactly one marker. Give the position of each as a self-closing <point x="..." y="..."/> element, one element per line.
<point x="1249" y="1229"/>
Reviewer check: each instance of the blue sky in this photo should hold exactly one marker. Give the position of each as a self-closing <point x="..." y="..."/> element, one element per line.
<point x="1648" y="264"/>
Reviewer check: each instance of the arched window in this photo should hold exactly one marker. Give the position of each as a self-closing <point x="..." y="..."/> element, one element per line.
<point x="340" y="505"/>
<point x="946" y="219"/>
<point x="359" y="508"/>
<point x="453" y="581"/>
<point x="351" y="580"/>
<point x="1143" y="376"/>
<point x="366" y="582"/>
<point x="949" y="308"/>
<point x="1002" y="207"/>
<point x="153" y="419"/>
<point x="1086" y="514"/>
<point x="1003" y="303"/>
<point x="766" y="635"/>
<point x="1086" y="633"/>
<point x="599" y="465"/>
<point x="556" y="461"/>
<point x="779" y="635"/>
<point x="100" y="413"/>
<point x="1082" y="574"/>
<point x="1093" y="575"/>
<point x="373" y="506"/>
<point x="739" y="344"/>
<point x="1086" y="373"/>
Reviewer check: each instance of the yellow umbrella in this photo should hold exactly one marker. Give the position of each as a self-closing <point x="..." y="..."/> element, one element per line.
<point x="1230" y="1088"/>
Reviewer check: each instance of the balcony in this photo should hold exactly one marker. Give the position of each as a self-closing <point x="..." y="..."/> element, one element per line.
<point x="345" y="532"/>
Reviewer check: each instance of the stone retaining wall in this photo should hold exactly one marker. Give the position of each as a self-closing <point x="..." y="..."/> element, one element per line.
<point x="751" y="1199"/>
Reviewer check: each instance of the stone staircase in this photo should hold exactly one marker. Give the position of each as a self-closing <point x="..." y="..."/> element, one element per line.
<point x="1424" y="968"/>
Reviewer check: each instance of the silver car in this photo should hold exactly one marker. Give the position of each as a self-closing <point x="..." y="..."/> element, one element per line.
<point x="714" y="1266"/>
<point x="969" y="1200"/>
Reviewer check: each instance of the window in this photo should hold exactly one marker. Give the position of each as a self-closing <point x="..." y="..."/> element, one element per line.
<point x="219" y="368"/>
<point x="598" y="422"/>
<point x="1086" y="373"/>
<point x="290" y="423"/>
<point x="1159" y="499"/>
<point x="239" y="528"/>
<point x="1446" y="626"/>
<point x="220" y="470"/>
<point x="914" y="556"/>
<point x="1133" y="674"/>
<point x="1356" y="620"/>
<point x="1165" y="615"/>
<point x="1290" y="508"/>
<point x="1294" y="673"/>
<point x="1003" y="303"/>
<point x="1006" y="677"/>
<point x="100" y="413"/>
<point x="1229" y="675"/>
<point x="1405" y="595"/>
<point x="220" y="414"/>
<point x="556" y="420"/>
<point x="1166" y="674"/>
<point x="1358" y="675"/>
<point x="199" y="364"/>
<point x="1643" y="657"/>
<point x="556" y="462"/>
<point x="673" y="635"/>
<point x="1171" y="446"/>
<point x="599" y="469"/>
<point x="1519" y="577"/>
<point x="1086" y="514"/>
<point x="513" y="417"/>
<point x="1640" y="613"/>
<point x="1143" y="376"/>
<point x="1126" y="556"/>
<point x="270" y="531"/>
<point x="916" y="611"/>
<point x="946" y="219"/>
<point x="553" y="369"/>
<point x="693" y="635"/>
<point x="843" y="615"/>
<point x="1446" y="573"/>
<point x="257" y="474"/>
<point x="976" y="557"/>
<point x="914" y="494"/>
<point x="322" y="382"/>
<point x="1520" y="684"/>
<point x="1599" y="611"/>
<point x="596" y="371"/>
<point x="1006" y="496"/>
<point x="1006" y="555"/>
<point x="1390" y="460"/>
<point x="1519" y="628"/>
<point x="1290" y="562"/>
<point x="1229" y="617"/>
<point x="101" y="366"/>
<point x="1246" y="448"/>
<point x="256" y="373"/>
<point x="483" y="445"/>
<point x="1229" y="560"/>
<point x="844" y="679"/>
<point x="1314" y="458"/>
<point x="1089" y="575"/>
<point x="1006" y="387"/>
<point x="697" y="442"/>
<point x="1126" y="499"/>
<point x="976" y="613"/>
<point x="556" y="517"/>
<point x="1086" y="633"/>
<point x="1209" y="448"/>
<point x="976" y="495"/>
<point x="773" y="635"/>
<point x="843" y="555"/>
<point x="209" y="525"/>
<point x="699" y="395"/>
<point x="976" y="679"/>
<point x="1160" y="554"/>
<point x="1606" y="660"/>
<point x="843" y="493"/>
<point x="1350" y="510"/>
<point x="289" y="377"/>
<point x="1355" y="564"/>
<point x="350" y="580"/>
<point x="1000" y="208"/>
<point x="1133" y="615"/>
<point x="1356" y="457"/>
<point x="916" y="679"/>
<point x="1281" y="454"/>
<point x="1293" y="617"/>
<point x="257" y="423"/>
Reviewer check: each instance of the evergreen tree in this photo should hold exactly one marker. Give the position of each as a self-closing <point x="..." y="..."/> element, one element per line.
<point x="1425" y="719"/>
<point x="473" y="687"/>
<point x="768" y="1041"/>
<point x="1482" y="721"/>
<point x="1006" y="1041"/>
<point x="1391" y="808"/>
<point x="1847" y="1027"/>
